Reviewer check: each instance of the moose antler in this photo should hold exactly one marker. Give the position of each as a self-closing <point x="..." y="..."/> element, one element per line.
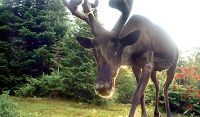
<point x="87" y="15"/>
<point x="125" y="7"/>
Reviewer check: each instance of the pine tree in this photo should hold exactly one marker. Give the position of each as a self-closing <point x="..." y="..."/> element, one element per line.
<point x="28" y="29"/>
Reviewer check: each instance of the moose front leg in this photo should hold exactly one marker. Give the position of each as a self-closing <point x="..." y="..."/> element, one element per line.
<point x="137" y="73"/>
<point x="146" y="72"/>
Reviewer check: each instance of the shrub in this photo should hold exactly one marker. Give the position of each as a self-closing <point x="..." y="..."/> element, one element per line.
<point x="54" y="86"/>
<point x="182" y="99"/>
<point x="125" y="86"/>
<point x="186" y="88"/>
<point x="48" y="85"/>
<point x="7" y="107"/>
<point x="150" y="93"/>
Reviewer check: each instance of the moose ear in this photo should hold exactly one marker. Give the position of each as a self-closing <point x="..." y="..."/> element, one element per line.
<point x="130" y="38"/>
<point x="85" y="42"/>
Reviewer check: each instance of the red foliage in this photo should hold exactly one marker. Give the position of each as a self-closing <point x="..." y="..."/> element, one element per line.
<point x="190" y="90"/>
<point x="187" y="105"/>
<point x="191" y="107"/>
<point x="189" y="75"/>
<point x="197" y="93"/>
<point x="174" y="88"/>
<point x="186" y="96"/>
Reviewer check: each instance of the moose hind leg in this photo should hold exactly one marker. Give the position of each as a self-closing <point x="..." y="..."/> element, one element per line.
<point x="156" y="83"/>
<point x="170" y="76"/>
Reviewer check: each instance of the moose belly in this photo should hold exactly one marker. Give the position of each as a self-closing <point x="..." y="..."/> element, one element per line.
<point x="161" y="64"/>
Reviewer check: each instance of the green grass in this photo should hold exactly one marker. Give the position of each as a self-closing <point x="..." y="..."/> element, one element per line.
<point x="42" y="107"/>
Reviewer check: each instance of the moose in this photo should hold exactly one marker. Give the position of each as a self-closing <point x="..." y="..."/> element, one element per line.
<point x="138" y="43"/>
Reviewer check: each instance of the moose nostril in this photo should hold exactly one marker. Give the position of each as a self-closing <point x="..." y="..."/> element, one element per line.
<point x="99" y="86"/>
<point x="97" y="91"/>
<point x="105" y="85"/>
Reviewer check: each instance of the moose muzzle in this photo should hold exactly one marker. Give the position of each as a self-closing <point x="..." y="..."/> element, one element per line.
<point x="104" y="88"/>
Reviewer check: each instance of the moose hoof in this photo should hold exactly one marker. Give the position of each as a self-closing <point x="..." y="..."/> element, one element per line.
<point x="144" y="115"/>
<point x="157" y="114"/>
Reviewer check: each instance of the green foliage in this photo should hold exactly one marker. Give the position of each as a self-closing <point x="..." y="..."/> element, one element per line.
<point x="125" y="86"/>
<point x="7" y="107"/>
<point x="43" y="107"/>
<point x="28" y="29"/>
<point x="54" y="86"/>
<point x="150" y="93"/>
<point x="3" y="67"/>
<point x="47" y="85"/>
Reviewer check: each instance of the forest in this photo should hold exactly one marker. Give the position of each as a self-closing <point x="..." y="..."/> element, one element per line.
<point x="40" y="58"/>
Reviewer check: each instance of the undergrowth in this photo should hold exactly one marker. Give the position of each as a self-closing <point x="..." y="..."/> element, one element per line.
<point x="7" y="107"/>
<point x="46" y="107"/>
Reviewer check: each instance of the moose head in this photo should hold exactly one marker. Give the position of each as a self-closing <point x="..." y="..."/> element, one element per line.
<point x="107" y="46"/>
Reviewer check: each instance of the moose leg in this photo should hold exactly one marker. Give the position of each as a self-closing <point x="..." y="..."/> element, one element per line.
<point x="156" y="83"/>
<point x="146" y="71"/>
<point x="170" y="76"/>
<point x="137" y="73"/>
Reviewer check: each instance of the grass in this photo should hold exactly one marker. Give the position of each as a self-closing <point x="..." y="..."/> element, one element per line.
<point x="42" y="107"/>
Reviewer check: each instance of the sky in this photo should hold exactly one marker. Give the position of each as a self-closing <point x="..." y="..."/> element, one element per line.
<point x="179" y="18"/>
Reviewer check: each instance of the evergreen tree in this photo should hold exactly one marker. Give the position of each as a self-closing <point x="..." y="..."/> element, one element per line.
<point x="28" y="29"/>
<point x="78" y="67"/>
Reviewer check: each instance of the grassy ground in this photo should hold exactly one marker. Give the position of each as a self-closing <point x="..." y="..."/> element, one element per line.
<point x="41" y="107"/>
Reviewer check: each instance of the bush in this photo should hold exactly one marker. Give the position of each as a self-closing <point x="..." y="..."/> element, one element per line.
<point x="125" y="86"/>
<point x="54" y="86"/>
<point x="47" y="85"/>
<point x="7" y="107"/>
<point x="184" y="96"/>
<point x="183" y="100"/>
<point x="81" y="89"/>
<point x="150" y="93"/>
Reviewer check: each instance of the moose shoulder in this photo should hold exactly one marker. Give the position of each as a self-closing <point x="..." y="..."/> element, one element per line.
<point x="152" y="38"/>
<point x="138" y="43"/>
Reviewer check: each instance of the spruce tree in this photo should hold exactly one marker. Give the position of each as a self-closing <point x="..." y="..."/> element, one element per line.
<point x="28" y="29"/>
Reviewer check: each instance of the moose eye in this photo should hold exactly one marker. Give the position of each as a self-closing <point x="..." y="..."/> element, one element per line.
<point x="109" y="42"/>
<point x="94" y="42"/>
<point x="119" y="52"/>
